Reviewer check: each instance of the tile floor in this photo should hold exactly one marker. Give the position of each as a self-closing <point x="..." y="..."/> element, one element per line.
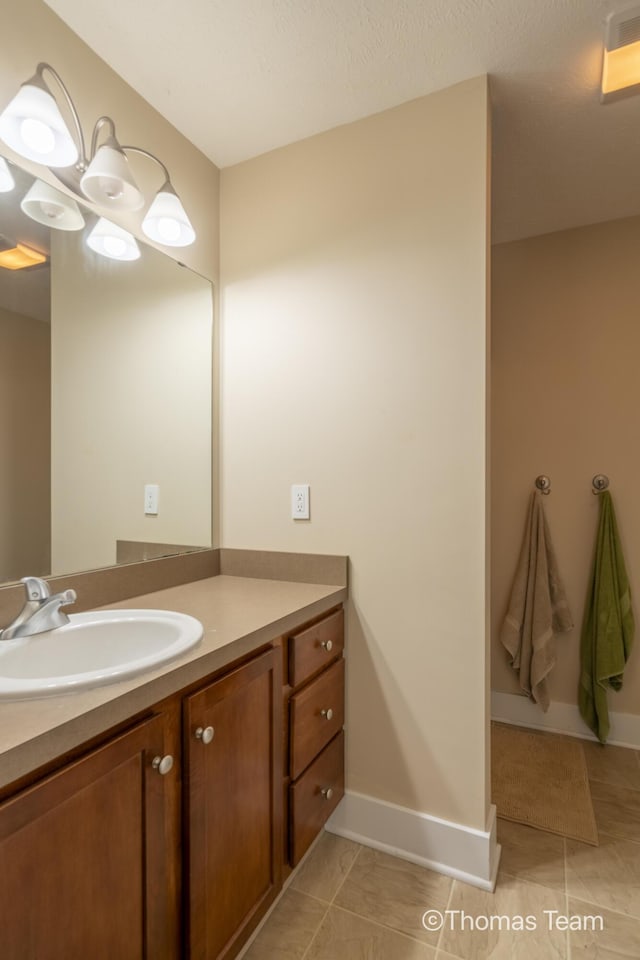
<point x="349" y="902"/>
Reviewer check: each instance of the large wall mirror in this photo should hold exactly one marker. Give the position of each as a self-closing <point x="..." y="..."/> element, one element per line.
<point x="105" y="388"/>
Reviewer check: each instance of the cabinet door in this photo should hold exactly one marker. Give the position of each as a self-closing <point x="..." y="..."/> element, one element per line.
<point x="234" y="805"/>
<point x="76" y="851"/>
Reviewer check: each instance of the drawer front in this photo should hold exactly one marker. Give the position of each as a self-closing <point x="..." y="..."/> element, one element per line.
<point x="314" y="797"/>
<point x="314" y="648"/>
<point x="316" y="714"/>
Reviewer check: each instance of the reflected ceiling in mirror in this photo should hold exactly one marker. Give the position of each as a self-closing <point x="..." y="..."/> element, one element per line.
<point x="105" y="388"/>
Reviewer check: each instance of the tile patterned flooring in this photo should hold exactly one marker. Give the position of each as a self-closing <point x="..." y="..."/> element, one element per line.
<point x="349" y="902"/>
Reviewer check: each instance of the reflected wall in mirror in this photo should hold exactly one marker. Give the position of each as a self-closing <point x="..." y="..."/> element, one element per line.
<point x="105" y="386"/>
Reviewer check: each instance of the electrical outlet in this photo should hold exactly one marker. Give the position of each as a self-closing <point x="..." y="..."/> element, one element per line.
<point x="151" y="496"/>
<point x="300" y="501"/>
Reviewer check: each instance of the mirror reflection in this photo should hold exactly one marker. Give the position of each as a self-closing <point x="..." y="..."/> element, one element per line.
<point x="105" y="392"/>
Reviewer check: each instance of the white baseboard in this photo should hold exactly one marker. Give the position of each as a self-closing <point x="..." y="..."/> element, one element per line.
<point x="563" y="718"/>
<point x="450" y="848"/>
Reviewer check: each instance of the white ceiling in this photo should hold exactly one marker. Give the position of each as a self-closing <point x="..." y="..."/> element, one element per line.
<point x="240" y="77"/>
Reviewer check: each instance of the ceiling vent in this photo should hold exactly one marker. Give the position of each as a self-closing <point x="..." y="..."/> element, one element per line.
<point x="623" y="28"/>
<point x="621" y="62"/>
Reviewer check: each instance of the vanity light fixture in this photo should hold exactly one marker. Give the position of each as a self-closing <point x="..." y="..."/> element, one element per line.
<point x="20" y="257"/>
<point x="33" y="126"/>
<point x="621" y="59"/>
<point x="7" y="183"/>
<point x="109" y="240"/>
<point x="45" y="204"/>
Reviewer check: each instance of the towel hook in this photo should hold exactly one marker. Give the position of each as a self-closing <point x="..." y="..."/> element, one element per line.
<point x="599" y="483"/>
<point x="543" y="484"/>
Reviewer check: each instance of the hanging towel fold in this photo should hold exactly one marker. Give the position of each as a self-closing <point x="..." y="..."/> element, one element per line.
<point x="538" y="608"/>
<point x="608" y="627"/>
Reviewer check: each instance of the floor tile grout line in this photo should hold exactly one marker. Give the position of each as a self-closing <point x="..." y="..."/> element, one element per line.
<point x="316" y="932"/>
<point x="328" y="904"/>
<point x="601" y="906"/>
<point x="442" y="954"/>
<point x="617" y="786"/>
<point x="329" y="900"/>
<point x="312" y="896"/>
<point x="383" y="926"/>
<point x="449" y="899"/>
<point x="612" y="836"/>
<point x="344" y="879"/>
<point x="560" y="891"/>
<point x="532" y="883"/>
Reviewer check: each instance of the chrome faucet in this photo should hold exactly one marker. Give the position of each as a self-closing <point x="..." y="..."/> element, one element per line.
<point x="41" y="611"/>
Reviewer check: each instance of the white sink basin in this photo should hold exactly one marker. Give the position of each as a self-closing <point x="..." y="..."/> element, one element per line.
<point x="95" y="648"/>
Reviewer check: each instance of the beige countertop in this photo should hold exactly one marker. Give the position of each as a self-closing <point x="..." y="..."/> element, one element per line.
<point x="239" y="615"/>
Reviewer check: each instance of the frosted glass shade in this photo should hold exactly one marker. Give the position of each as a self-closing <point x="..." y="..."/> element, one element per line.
<point x="166" y="220"/>
<point x="109" y="240"/>
<point x="7" y="183"/>
<point x="108" y="180"/>
<point x="32" y="125"/>
<point x="44" y="204"/>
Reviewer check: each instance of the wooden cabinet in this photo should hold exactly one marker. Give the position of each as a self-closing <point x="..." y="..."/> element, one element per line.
<point x="313" y="737"/>
<point x="87" y="865"/>
<point x="115" y="855"/>
<point x="233" y="803"/>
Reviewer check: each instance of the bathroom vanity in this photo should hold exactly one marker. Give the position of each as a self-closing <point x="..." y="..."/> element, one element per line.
<point x="156" y="818"/>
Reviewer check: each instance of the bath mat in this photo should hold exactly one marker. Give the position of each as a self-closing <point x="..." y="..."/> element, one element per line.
<point x="541" y="780"/>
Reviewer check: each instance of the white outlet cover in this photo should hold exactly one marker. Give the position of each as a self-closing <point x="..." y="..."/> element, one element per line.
<point x="300" y="501"/>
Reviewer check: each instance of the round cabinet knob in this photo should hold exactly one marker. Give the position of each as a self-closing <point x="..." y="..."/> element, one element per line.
<point x="327" y="792"/>
<point x="205" y="734"/>
<point x="327" y="714"/>
<point x="328" y="645"/>
<point x="162" y="764"/>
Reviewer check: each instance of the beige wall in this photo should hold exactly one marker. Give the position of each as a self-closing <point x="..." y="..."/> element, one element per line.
<point x="566" y="394"/>
<point x="130" y="403"/>
<point x="24" y="446"/>
<point x="353" y="359"/>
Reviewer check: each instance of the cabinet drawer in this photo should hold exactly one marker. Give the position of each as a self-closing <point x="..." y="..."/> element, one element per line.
<point x="312" y="649"/>
<point x="314" y="797"/>
<point x="316" y="714"/>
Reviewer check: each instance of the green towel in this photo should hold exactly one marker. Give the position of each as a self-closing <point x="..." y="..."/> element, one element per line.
<point x="607" y="631"/>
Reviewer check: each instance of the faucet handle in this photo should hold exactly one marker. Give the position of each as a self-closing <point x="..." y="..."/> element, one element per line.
<point x="36" y="588"/>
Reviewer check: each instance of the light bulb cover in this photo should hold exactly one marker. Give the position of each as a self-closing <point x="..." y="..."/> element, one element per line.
<point x="7" y="183"/>
<point x="45" y="204"/>
<point x="32" y="125"/>
<point x="166" y="220"/>
<point x="109" y="240"/>
<point x="108" y="180"/>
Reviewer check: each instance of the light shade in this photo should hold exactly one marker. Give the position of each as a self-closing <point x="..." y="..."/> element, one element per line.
<point x="21" y="256"/>
<point x="7" y="183"/>
<point x="33" y="126"/>
<point x="108" y="180"/>
<point x="110" y="240"/>
<point x="166" y="220"/>
<point x="47" y="205"/>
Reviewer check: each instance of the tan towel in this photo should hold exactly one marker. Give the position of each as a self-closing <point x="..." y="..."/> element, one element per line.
<point x="538" y="608"/>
